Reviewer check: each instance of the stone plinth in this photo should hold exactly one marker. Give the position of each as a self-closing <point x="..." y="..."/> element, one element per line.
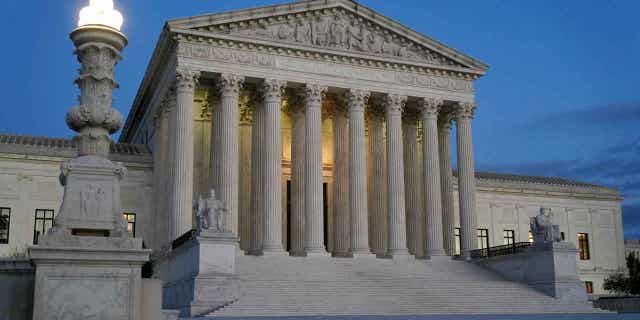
<point x="198" y="275"/>
<point x="88" y="277"/>
<point x="549" y="267"/>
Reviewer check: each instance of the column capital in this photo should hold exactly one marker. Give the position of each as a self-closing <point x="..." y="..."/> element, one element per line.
<point x="229" y="84"/>
<point x="395" y="102"/>
<point x="272" y="89"/>
<point x="186" y="78"/>
<point x="445" y="119"/>
<point x="465" y="110"/>
<point x="430" y="107"/>
<point x="357" y="99"/>
<point x="314" y="93"/>
<point x="295" y="102"/>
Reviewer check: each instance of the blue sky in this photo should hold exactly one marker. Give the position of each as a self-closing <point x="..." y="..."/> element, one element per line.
<point x="562" y="96"/>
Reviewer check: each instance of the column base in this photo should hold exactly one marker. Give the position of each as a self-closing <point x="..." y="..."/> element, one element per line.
<point x="439" y="259"/>
<point x="400" y="255"/>
<point x="317" y="253"/>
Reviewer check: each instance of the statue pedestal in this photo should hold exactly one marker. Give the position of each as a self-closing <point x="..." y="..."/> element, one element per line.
<point x="88" y="277"/>
<point x="553" y="270"/>
<point x="199" y="274"/>
<point x="549" y="267"/>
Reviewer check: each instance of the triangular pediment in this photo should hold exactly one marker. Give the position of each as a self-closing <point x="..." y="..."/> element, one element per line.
<point x="341" y="26"/>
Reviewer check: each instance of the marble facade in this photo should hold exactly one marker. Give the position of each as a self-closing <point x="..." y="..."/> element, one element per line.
<point x="326" y="129"/>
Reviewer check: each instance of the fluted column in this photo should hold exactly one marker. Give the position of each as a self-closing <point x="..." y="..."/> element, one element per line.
<point x="296" y="111"/>
<point x="431" y="165"/>
<point x="466" y="179"/>
<point x="314" y="218"/>
<point x="413" y="186"/>
<point x="446" y="182"/>
<point x="378" y="180"/>
<point x="229" y="90"/>
<point x="358" y="173"/>
<point x="164" y="227"/>
<point x="182" y="188"/>
<point x="256" y="216"/>
<point x="396" y="219"/>
<point x="245" y="174"/>
<point x="271" y="90"/>
<point x="341" y="224"/>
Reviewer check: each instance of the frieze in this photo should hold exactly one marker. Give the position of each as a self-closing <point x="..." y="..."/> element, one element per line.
<point x="209" y="52"/>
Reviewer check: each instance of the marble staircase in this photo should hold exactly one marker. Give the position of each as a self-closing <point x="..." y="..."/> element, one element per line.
<point x="313" y="286"/>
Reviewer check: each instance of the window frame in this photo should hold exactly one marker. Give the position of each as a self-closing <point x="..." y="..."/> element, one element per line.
<point x="44" y="220"/>
<point x="126" y="216"/>
<point x="8" y="211"/>
<point x="583" y="246"/>
<point x="509" y="237"/>
<point x="457" y="249"/>
<point x="588" y="285"/>
<point x="483" y="234"/>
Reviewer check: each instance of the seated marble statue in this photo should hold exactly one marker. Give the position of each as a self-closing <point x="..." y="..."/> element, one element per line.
<point x="543" y="228"/>
<point x="210" y="213"/>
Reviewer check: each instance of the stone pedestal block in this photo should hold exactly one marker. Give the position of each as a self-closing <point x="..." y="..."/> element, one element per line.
<point x="549" y="267"/>
<point x="199" y="275"/>
<point x="88" y="278"/>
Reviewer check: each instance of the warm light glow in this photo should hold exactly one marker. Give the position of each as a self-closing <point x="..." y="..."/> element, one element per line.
<point x="100" y="12"/>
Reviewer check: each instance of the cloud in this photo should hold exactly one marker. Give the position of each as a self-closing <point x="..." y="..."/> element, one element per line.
<point x="614" y="114"/>
<point x="616" y="166"/>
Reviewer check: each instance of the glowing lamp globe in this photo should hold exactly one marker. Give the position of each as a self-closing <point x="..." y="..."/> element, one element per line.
<point x="100" y="12"/>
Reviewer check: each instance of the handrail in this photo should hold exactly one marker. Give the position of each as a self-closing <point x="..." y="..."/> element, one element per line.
<point x="503" y="250"/>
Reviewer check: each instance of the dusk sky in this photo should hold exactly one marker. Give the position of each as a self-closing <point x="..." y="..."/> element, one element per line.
<point x="561" y="97"/>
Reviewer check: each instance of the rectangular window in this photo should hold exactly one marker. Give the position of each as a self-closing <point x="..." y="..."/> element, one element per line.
<point x="5" y="223"/>
<point x="131" y="223"/>
<point x="509" y="237"/>
<point x="458" y="241"/>
<point x="562" y="236"/>
<point x="530" y="237"/>
<point x="43" y="222"/>
<point x="483" y="238"/>
<point x="583" y="246"/>
<point x="589" y="286"/>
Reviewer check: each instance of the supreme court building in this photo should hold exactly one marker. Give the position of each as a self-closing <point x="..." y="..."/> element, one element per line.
<point x="326" y="130"/>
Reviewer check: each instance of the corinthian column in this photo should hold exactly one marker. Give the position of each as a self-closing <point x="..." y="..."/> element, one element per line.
<point x="342" y="228"/>
<point x="271" y="90"/>
<point x="431" y="165"/>
<point x="446" y="182"/>
<point x="314" y="219"/>
<point x="397" y="237"/>
<point x="377" y="180"/>
<point x="256" y="216"/>
<point x="227" y="152"/>
<point x="245" y="173"/>
<point x="182" y="188"/>
<point x="466" y="179"/>
<point x="413" y="185"/>
<point x="296" y="104"/>
<point x="358" y="173"/>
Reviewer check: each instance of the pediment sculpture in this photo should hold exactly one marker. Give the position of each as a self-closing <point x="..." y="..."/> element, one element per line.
<point x="336" y="29"/>
<point x="211" y="214"/>
<point x="543" y="228"/>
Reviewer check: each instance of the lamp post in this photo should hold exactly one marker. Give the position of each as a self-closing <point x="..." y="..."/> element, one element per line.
<point x="87" y="265"/>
